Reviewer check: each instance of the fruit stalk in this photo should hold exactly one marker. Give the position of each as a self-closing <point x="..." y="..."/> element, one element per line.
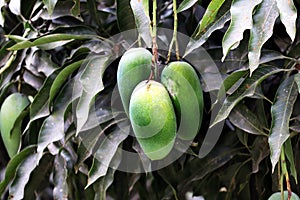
<point x="174" y="38"/>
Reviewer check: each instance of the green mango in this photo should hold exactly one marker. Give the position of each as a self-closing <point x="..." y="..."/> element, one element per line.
<point x="184" y="87"/>
<point x="153" y="119"/>
<point x="134" y="67"/>
<point x="11" y="108"/>
<point x="277" y="196"/>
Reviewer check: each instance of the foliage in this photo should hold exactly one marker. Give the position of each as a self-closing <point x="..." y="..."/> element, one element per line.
<point x="59" y="53"/>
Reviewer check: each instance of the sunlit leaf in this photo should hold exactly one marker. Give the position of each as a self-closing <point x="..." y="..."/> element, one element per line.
<point x="186" y="4"/>
<point x="241" y="19"/>
<point x="262" y="30"/>
<point x="281" y="112"/>
<point x="208" y="17"/>
<point x="288" y="16"/>
<point x="91" y="81"/>
<point x="247" y="89"/>
<point x="15" y="6"/>
<point x="195" y="43"/>
<point x="50" y="4"/>
<point x="142" y="20"/>
<point x="13" y="165"/>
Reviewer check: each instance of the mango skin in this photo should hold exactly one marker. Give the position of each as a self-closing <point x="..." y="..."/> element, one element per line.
<point x="153" y="119"/>
<point x="184" y="87"/>
<point x="11" y="108"/>
<point x="134" y="67"/>
<point x="277" y="196"/>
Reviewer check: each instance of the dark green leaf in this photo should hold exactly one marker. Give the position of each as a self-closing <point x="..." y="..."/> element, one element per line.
<point x="246" y="120"/>
<point x="186" y="4"/>
<point x="262" y="30"/>
<point x="195" y="43"/>
<point x="247" y="89"/>
<point x="62" y="76"/>
<point x="281" y="112"/>
<point x="16" y="190"/>
<point x="125" y="15"/>
<point x="297" y="80"/>
<point x="47" y="39"/>
<point x="13" y="165"/>
<point x="105" y="153"/>
<point x="241" y="19"/>
<point x="76" y="8"/>
<point x="288" y="149"/>
<point x="259" y="151"/>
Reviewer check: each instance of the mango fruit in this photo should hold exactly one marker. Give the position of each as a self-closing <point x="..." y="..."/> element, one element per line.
<point x="277" y="196"/>
<point x="184" y="87"/>
<point x="153" y="119"/>
<point x="11" y="108"/>
<point x="134" y="67"/>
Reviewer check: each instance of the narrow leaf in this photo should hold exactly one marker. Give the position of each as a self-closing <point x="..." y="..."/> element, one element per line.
<point x="281" y="112"/>
<point x="241" y="19"/>
<point x="288" y="16"/>
<point x="297" y="80"/>
<point x="209" y="16"/>
<point x="76" y="8"/>
<point x="13" y="165"/>
<point x="91" y="81"/>
<point x="186" y="4"/>
<point x="247" y="89"/>
<point x="262" y="30"/>
<point x="16" y="190"/>
<point x="142" y="20"/>
<point x="50" y="4"/>
<point x="125" y="15"/>
<point x="47" y="39"/>
<point x="60" y="191"/>
<point x="288" y="149"/>
<point x="246" y="120"/>
<point x="105" y="153"/>
<point x="195" y="43"/>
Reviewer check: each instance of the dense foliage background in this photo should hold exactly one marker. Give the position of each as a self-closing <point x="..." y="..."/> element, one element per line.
<point x="47" y="46"/>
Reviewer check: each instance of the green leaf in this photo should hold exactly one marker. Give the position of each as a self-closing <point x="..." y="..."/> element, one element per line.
<point x="288" y="149"/>
<point x="259" y="150"/>
<point x="142" y="19"/>
<point x="186" y="4"/>
<point x="288" y="16"/>
<point x="125" y="15"/>
<point x="281" y="112"/>
<point x="50" y="5"/>
<point x="297" y="80"/>
<point x="91" y="81"/>
<point x="60" y="191"/>
<point x="13" y="165"/>
<point x="62" y="76"/>
<point x="241" y="19"/>
<point x="209" y="16"/>
<point x="105" y="154"/>
<point x="195" y="43"/>
<point x="262" y="30"/>
<point x="104" y="182"/>
<point x="16" y="190"/>
<point x="246" y="120"/>
<point x="52" y="129"/>
<point x="47" y="39"/>
<point x="76" y="8"/>
<point x="246" y="89"/>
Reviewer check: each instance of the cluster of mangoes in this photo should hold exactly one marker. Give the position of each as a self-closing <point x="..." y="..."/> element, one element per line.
<point x="159" y="111"/>
<point x="11" y="109"/>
